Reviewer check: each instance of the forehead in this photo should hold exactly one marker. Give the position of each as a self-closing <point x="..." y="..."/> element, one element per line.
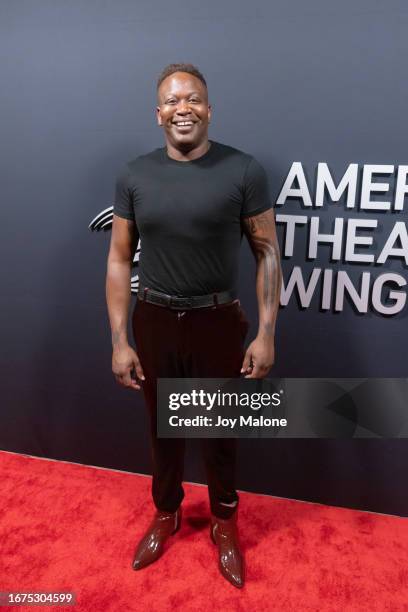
<point x="181" y="83"/>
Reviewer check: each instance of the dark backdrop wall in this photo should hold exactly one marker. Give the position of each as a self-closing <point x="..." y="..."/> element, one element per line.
<point x="289" y="82"/>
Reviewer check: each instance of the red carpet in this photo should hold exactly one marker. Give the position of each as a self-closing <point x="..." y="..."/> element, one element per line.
<point x="68" y="527"/>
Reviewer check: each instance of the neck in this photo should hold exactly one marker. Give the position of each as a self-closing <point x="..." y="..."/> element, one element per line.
<point x="188" y="153"/>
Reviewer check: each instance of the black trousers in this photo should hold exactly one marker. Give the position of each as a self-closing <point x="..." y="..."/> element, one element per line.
<point x="197" y="343"/>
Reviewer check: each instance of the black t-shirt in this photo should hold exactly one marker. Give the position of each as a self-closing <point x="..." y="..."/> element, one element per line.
<point x="188" y="215"/>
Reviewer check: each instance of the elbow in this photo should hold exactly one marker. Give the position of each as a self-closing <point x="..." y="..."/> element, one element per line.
<point x="118" y="258"/>
<point x="116" y="267"/>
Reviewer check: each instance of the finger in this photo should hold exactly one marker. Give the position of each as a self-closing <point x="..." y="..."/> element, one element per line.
<point x="256" y="372"/>
<point x="127" y="378"/>
<point x="246" y="364"/>
<point x="122" y="380"/>
<point x="248" y="371"/>
<point x="119" y="379"/>
<point x="134" y="385"/>
<point x="138" y="369"/>
<point x="134" y="381"/>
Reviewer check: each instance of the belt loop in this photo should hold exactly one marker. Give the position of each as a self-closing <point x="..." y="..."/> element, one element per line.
<point x="215" y="298"/>
<point x="145" y="290"/>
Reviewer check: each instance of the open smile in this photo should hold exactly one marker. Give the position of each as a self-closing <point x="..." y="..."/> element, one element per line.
<point x="183" y="124"/>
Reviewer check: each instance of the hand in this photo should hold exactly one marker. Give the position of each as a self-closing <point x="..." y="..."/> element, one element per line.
<point x="124" y="361"/>
<point x="259" y="358"/>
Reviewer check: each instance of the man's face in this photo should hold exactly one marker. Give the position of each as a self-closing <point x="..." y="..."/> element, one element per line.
<point x="183" y="110"/>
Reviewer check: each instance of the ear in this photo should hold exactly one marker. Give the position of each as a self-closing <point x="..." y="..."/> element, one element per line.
<point x="158" y="116"/>
<point x="209" y="113"/>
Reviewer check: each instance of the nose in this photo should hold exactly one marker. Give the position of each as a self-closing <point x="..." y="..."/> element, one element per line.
<point x="183" y="107"/>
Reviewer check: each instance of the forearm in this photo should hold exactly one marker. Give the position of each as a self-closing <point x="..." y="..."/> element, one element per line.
<point x="268" y="286"/>
<point x="118" y="299"/>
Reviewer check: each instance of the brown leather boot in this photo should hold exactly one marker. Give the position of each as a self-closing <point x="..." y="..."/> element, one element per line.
<point x="224" y="534"/>
<point x="150" y="547"/>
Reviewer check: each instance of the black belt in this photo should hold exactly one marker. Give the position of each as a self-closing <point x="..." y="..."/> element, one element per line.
<point x="184" y="303"/>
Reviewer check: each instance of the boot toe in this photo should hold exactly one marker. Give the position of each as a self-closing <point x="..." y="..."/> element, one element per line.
<point x="234" y="576"/>
<point x="151" y="546"/>
<point x="148" y="553"/>
<point x="138" y="564"/>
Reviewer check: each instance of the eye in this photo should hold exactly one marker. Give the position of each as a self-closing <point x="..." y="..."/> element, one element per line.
<point x="195" y="100"/>
<point x="172" y="101"/>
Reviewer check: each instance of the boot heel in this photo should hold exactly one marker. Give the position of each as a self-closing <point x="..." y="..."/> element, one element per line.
<point x="178" y="523"/>
<point x="176" y="529"/>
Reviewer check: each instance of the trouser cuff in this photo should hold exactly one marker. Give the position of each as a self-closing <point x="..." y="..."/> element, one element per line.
<point x="224" y="511"/>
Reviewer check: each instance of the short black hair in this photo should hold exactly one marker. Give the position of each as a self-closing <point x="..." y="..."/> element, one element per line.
<point x="171" y="68"/>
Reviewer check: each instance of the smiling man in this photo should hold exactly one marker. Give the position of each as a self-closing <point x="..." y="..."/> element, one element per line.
<point x="190" y="203"/>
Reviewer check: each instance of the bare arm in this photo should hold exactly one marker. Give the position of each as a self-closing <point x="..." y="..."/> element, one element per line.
<point x="261" y="233"/>
<point x="123" y="244"/>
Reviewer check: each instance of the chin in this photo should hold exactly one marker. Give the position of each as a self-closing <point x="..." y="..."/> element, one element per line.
<point x="185" y="140"/>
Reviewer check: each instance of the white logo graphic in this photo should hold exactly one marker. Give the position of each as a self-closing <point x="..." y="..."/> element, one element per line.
<point x="103" y="221"/>
<point x="344" y="239"/>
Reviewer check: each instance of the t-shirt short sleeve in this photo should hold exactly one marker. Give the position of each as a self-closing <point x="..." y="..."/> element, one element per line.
<point x="123" y="204"/>
<point x="255" y="189"/>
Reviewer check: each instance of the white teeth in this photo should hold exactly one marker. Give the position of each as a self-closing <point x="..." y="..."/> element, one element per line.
<point x="184" y="123"/>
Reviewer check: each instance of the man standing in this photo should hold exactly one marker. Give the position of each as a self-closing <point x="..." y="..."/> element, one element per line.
<point x="190" y="203"/>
